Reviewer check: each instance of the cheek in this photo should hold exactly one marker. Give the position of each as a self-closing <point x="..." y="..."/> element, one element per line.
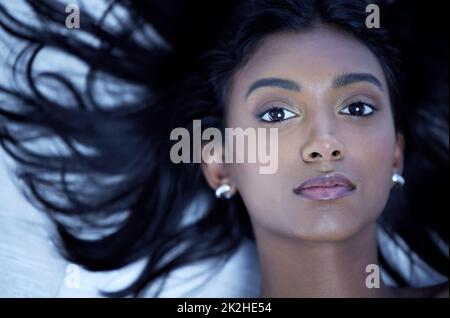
<point x="261" y="193"/>
<point x="269" y="198"/>
<point x="375" y="156"/>
<point x="266" y="198"/>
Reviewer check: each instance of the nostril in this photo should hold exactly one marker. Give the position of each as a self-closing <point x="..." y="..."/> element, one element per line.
<point x="314" y="155"/>
<point x="336" y="153"/>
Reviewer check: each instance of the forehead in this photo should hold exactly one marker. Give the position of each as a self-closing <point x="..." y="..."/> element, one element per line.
<point x="312" y="57"/>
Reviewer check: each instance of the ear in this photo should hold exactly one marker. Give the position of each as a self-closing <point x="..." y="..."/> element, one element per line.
<point x="215" y="169"/>
<point x="398" y="153"/>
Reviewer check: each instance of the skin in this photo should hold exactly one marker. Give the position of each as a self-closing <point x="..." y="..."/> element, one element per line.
<point x="310" y="248"/>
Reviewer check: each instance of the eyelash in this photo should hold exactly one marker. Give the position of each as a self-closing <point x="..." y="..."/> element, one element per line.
<point x="372" y="107"/>
<point x="262" y="114"/>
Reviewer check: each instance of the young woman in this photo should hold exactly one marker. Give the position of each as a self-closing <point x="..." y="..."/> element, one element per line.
<point x="311" y="69"/>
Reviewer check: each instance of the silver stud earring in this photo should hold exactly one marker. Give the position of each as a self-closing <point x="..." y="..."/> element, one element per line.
<point x="398" y="179"/>
<point x="221" y="192"/>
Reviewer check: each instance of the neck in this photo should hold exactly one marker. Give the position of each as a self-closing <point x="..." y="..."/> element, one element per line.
<point x="292" y="267"/>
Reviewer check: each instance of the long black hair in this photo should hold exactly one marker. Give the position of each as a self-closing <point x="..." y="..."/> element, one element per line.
<point x="143" y="69"/>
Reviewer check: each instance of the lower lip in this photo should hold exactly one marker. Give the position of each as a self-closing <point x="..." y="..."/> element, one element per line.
<point x="324" y="193"/>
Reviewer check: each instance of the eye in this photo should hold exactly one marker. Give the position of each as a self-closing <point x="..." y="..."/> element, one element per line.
<point x="360" y="109"/>
<point x="276" y="114"/>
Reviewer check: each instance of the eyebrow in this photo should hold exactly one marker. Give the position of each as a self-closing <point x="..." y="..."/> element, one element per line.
<point x="276" y="82"/>
<point x="338" y="82"/>
<point x="350" y="78"/>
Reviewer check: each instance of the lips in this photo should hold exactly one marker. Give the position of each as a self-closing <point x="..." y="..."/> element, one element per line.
<point x="326" y="187"/>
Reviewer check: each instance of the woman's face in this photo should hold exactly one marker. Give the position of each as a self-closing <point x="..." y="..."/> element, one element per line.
<point x="319" y="132"/>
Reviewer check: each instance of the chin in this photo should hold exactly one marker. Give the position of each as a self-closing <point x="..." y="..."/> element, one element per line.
<point x="329" y="236"/>
<point x="336" y="227"/>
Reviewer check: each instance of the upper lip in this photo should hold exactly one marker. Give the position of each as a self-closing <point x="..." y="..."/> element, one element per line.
<point x="329" y="180"/>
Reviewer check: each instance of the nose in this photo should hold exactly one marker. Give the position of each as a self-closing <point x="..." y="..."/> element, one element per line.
<point x="323" y="148"/>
